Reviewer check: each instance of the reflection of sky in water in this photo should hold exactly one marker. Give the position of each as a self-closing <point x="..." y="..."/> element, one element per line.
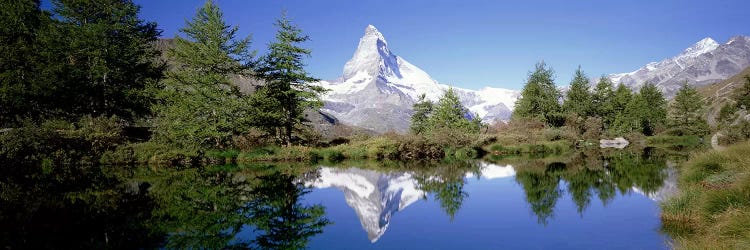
<point x="494" y="215"/>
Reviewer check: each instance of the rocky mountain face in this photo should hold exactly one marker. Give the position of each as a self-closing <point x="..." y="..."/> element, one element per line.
<point x="704" y="63"/>
<point x="378" y="88"/>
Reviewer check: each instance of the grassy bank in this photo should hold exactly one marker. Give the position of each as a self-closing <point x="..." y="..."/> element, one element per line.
<point x="712" y="210"/>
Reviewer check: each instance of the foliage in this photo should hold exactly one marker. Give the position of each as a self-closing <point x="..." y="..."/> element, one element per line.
<point x="578" y="99"/>
<point x="645" y="113"/>
<point x="422" y="110"/>
<point x="603" y="101"/>
<point x="87" y="58"/>
<point x="539" y="97"/>
<point x="686" y="113"/>
<point x="287" y="85"/>
<point x="200" y="106"/>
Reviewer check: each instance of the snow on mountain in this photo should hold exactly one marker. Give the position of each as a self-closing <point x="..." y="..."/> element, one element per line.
<point x="376" y="196"/>
<point x="704" y="63"/>
<point x="378" y="88"/>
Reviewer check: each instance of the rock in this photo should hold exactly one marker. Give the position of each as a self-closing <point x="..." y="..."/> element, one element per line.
<point x="618" y="142"/>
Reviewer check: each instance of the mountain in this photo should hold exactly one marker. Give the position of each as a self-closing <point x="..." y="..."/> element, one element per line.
<point x="704" y="63"/>
<point x="374" y="196"/>
<point x="377" y="196"/>
<point x="378" y="88"/>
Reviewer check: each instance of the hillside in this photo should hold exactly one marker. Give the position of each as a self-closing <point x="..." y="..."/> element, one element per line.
<point x="717" y="94"/>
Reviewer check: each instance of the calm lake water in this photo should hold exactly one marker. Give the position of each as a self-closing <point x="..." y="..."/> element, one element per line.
<point x="587" y="200"/>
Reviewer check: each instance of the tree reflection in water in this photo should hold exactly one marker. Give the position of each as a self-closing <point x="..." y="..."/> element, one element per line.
<point x="74" y="207"/>
<point x="586" y="174"/>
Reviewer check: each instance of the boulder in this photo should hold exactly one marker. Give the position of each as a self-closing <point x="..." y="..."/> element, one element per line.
<point x="618" y="142"/>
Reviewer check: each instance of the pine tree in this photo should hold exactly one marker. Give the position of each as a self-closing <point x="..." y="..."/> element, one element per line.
<point x="450" y="114"/>
<point x="646" y="112"/>
<point x="422" y="110"/>
<point x="621" y="98"/>
<point x="655" y="109"/>
<point x="686" y="112"/>
<point x="287" y="82"/>
<point x="108" y="61"/>
<point x="578" y="99"/>
<point x="20" y="22"/>
<point x="539" y="97"/>
<point x="602" y="101"/>
<point x="200" y="106"/>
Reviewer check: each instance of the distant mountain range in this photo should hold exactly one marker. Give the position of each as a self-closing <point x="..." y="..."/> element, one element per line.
<point x="378" y="88"/>
<point x="704" y="63"/>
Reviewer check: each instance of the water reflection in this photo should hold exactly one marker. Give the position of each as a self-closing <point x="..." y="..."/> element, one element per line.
<point x="75" y="207"/>
<point x="376" y="195"/>
<point x="264" y="206"/>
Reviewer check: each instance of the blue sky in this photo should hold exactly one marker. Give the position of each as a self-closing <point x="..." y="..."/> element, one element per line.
<point x="475" y="43"/>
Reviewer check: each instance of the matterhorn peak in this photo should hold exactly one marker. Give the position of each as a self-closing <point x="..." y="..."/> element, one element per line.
<point x="701" y="47"/>
<point x="372" y="56"/>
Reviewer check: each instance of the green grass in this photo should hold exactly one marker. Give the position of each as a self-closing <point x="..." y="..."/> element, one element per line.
<point x="552" y="147"/>
<point x="712" y="211"/>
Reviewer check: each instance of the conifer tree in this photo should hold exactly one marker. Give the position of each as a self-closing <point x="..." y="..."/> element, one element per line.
<point x="286" y="81"/>
<point x="200" y="106"/>
<point x="449" y="113"/>
<point x="686" y="112"/>
<point x="20" y="23"/>
<point x="655" y="109"/>
<point x="646" y="112"/>
<point x="422" y="110"/>
<point x="620" y="100"/>
<point x="578" y="99"/>
<point x="107" y="58"/>
<point x="602" y="101"/>
<point x="539" y="97"/>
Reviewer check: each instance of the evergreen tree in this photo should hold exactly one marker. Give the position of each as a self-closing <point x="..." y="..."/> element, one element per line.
<point x="286" y="81"/>
<point x="449" y="113"/>
<point x="646" y="112"/>
<point x="20" y="22"/>
<point x="201" y="107"/>
<point x="620" y="100"/>
<point x="602" y="101"/>
<point x="539" y="97"/>
<point x="686" y="112"/>
<point x="107" y="61"/>
<point x="422" y="110"/>
<point x="578" y="99"/>
<point x="655" y="109"/>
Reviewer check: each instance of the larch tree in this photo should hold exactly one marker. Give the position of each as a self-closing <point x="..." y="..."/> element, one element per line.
<point x="602" y="101"/>
<point x="539" y="97"/>
<point x="107" y="62"/>
<point x="200" y="107"/>
<point x="286" y="81"/>
<point x="578" y="99"/>
<point x="686" y="112"/>
<point x="422" y="110"/>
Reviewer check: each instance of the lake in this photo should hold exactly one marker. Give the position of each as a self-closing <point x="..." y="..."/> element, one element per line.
<point x="585" y="200"/>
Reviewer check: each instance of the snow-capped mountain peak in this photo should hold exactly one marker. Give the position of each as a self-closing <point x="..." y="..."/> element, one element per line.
<point x="703" y="63"/>
<point x="378" y="88"/>
<point x="701" y="47"/>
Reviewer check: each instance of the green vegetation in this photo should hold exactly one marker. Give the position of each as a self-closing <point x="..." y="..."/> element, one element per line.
<point x="539" y="97"/>
<point x="686" y="113"/>
<point x="712" y="210"/>
<point x="199" y="106"/>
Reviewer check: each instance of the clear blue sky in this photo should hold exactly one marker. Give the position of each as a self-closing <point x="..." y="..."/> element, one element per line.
<point x="472" y="44"/>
